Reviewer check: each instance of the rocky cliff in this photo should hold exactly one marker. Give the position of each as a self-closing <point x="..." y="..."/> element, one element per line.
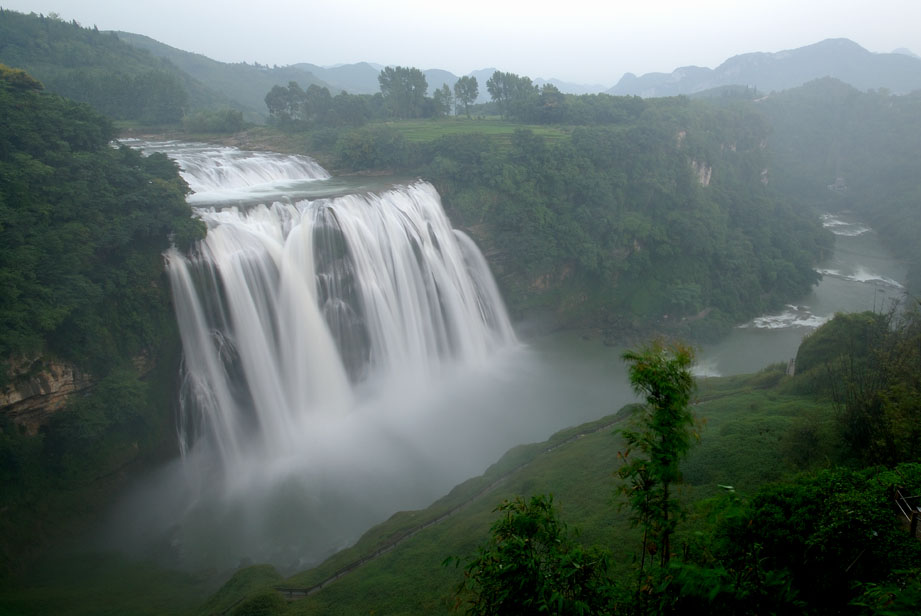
<point x="39" y="387"/>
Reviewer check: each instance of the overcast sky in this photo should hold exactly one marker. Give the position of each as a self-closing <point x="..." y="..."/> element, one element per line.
<point x="581" y="41"/>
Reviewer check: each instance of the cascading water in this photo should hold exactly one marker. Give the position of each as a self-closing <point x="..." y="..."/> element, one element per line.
<point x="283" y="305"/>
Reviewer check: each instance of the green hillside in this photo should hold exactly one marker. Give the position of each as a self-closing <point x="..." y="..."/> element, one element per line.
<point x="244" y="84"/>
<point x="658" y="218"/>
<point x="118" y="80"/>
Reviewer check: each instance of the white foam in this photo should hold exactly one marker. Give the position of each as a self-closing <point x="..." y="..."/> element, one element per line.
<point x="793" y="316"/>
<point x="843" y="228"/>
<point x="706" y="368"/>
<point x="862" y="275"/>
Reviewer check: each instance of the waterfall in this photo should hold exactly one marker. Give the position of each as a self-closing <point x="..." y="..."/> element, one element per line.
<point x="287" y="309"/>
<point x="219" y="174"/>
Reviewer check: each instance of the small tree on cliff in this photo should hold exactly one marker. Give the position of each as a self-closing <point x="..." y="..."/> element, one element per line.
<point x="661" y="437"/>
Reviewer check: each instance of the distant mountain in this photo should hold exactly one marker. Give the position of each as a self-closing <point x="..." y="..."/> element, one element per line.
<point x="906" y="52"/>
<point x="567" y="87"/>
<point x="360" y="78"/>
<point x="437" y="77"/>
<point x="841" y="59"/>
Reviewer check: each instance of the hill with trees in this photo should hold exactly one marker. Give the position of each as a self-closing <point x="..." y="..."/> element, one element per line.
<point x="618" y="213"/>
<point x="89" y="66"/>
<point x="243" y="84"/>
<point x="83" y="226"/>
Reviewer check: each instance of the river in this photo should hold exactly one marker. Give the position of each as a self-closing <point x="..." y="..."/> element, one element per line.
<point x="861" y="274"/>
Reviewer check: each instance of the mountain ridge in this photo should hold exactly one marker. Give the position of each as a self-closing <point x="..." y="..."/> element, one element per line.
<point x="840" y="58"/>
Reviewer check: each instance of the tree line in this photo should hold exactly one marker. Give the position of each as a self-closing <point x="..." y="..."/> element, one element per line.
<point x="403" y="95"/>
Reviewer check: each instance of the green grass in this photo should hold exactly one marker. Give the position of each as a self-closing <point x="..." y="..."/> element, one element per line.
<point x="422" y="131"/>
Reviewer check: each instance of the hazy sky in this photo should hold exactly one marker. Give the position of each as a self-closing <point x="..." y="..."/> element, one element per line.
<point x="582" y="41"/>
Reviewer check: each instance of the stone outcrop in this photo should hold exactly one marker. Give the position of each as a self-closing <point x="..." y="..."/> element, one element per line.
<point x="703" y="171"/>
<point x="39" y="387"/>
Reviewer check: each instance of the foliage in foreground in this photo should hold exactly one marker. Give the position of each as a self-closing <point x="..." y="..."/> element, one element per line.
<point x="531" y="565"/>
<point x="662" y="436"/>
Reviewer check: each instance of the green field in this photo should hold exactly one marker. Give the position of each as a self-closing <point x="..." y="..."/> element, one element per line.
<point x="421" y="131"/>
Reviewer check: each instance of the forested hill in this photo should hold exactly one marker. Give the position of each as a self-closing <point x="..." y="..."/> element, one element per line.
<point x="82" y="229"/>
<point x="864" y="145"/>
<point x="650" y="215"/>
<point x="245" y="84"/>
<point x="119" y="80"/>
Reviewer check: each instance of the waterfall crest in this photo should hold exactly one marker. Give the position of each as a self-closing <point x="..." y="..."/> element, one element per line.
<point x="216" y="174"/>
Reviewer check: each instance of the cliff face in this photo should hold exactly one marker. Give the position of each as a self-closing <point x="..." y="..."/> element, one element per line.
<point x="39" y="388"/>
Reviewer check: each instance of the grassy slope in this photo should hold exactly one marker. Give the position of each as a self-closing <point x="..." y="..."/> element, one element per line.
<point x="747" y="433"/>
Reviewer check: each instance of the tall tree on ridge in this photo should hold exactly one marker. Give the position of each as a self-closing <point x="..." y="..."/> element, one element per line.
<point x="403" y="90"/>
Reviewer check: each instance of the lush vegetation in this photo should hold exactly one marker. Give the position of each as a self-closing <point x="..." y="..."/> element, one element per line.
<point x="870" y="365"/>
<point x="82" y="229"/>
<point x="579" y="220"/>
<point x="83" y="64"/>
<point x="779" y="518"/>
<point x="661" y="438"/>
<point x="531" y="565"/>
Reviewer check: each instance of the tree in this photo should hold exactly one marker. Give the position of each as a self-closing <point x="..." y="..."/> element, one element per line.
<point x="511" y="92"/>
<point x="444" y="100"/>
<point x="662" y="437"/>
<point x="551" y="104"/>
<point x="403" y="90"/>
<point x="286" y="104"/>
<point x="466" y="91"/>
<point x="531" y="565"/>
